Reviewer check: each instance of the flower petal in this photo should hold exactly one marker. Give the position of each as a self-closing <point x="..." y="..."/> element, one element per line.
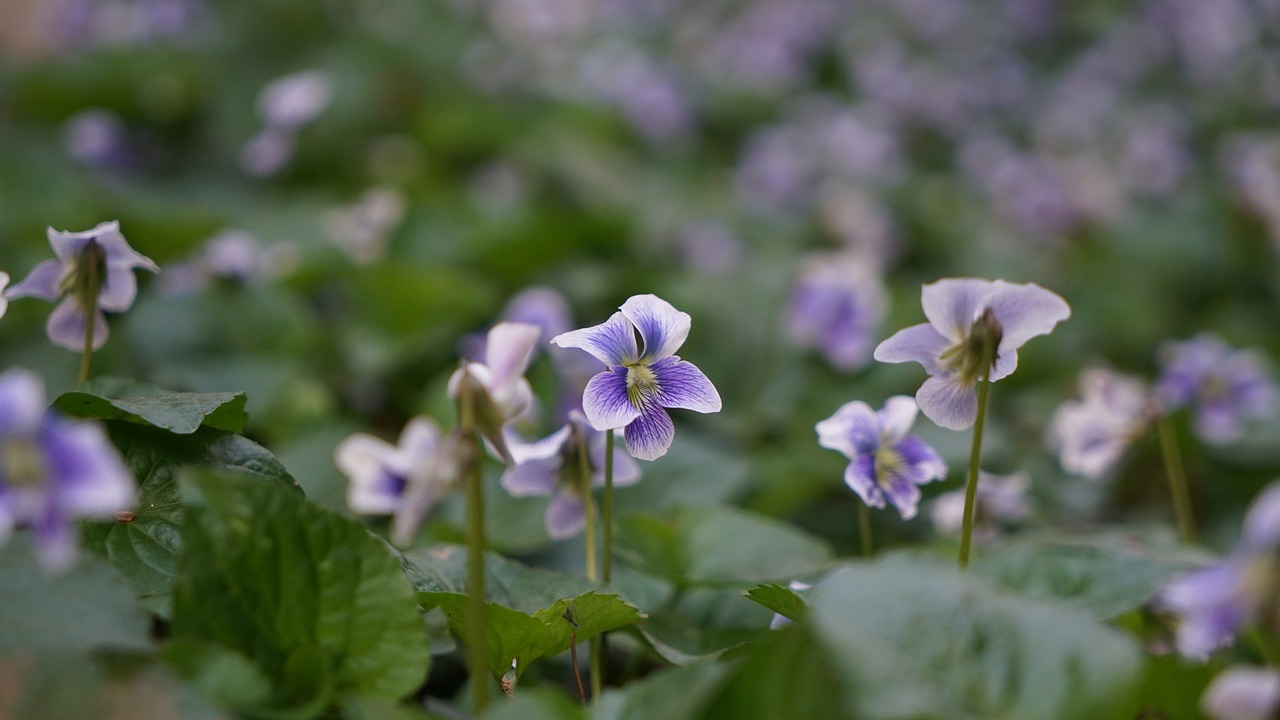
<point x="118" y="251"/>
<point x="918" y="343"/>
<point x="42" y="282"/>
<point x="548" y="447"/>
<point x="626" y="471"/>
<point x="88" y="476"/>
<point x="852" y="430"/>
<point x="952" y="304"/>
<point x="4" y="300"/>
<point x="860" y="476"/>
<point x="922" y="463"/>
<point x="613" y="342"/>
<point x="902" y="493"/>
<point x="22" y="403"/>
<point x="535" y="477"/>
<point x="67" y="245"/>
<point x="55" y="537"/>
<point x="662" y="327"/>
<point x="508" y="350"/>
<point x="1025" y="311"/>
<point x="377" y="475"/>
<point x="66" y="326"/>
<point x="1242" y="693"/>
<point x="682" y="385"/>
<point x="119" y="288"/>
<point x="605" y="401"/>
<point x="948" y="401"/>
<point x="649" y="435"/>
<point x="565" y="517"/>
<point x="897" y="417"/>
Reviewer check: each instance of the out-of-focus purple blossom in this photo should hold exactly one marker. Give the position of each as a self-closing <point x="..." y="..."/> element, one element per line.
<point x="1000" y="500"/>
<point x="837" y="305"/>
<point x="267" y="152"/>
<point x="1154" y="159"/>
<point x="99" y="259"/>
<point x="508" y="349"/>
<point x="1253" y="164"/>
<point x="639" y="383"/>
<point x="233" y="255"/>
<point x="1225" y="387"/>
<point x="405" y="480"/>
<point x="1091" y="434"/>
<point x="4" y="300"/>
<point x="886" y="462"/>
<point x="711" y="249"/>
<point x="552" y="467"/>
<point x="776" y="169"/>
<point x="541" y="22"/>
<point x="89" y="23"/>
<point x="860" y="222"/>
<point x="361" y="230"/>
<point x="98" y="139"/>
<point x="497" y="188"/>
<point x="1034" y="196"/>
<point x="1213" y="37"/>
<point x="1243" y="693"/>
<point x="856" y="145"/>
<point x="766" y="47"/>
<point x="965" y="314"/>
<point x="647" y="93"/>
<point x="285" y="105"/>
<point x="53" y="471"/>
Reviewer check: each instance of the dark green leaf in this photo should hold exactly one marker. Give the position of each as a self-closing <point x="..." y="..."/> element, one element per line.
<point x="677" y="694"/>
<point x="108" y="398"/>
<point x="784" y="601"/>
<point x="443" y="568"/>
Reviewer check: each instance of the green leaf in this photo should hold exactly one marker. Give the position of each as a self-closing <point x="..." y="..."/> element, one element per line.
<point x="720" y="546"/>
<point x="784" y="601"/>
<point x="677" y="694"/>
<point x="145" y="550"/>
<point x="1108" y="574"/>
<point x="316" y="602"/>
<point x="536" y="703"/>
<point x="786" y="676"/>
<point x="219" y="673"/>
<point x="108" y="398"/>
<point x="921" y="640"/>
<point x="443" y="568"/>
<point x="703" y="623"/>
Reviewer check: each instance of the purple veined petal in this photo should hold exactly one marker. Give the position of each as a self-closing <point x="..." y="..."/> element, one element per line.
<point x="22" y="403"/>
<point x="605" y="401"/>
<point x="533" y="477"/>
<point x="380" y="493"/>
<point x="897" y="417"/>
<point x="512" y="399"/>
<point x="682" y="385"/>
<point x="66" y="326"/>
<point x="924" y="463"/>
<point x="548" y="447"/>
<point x="375" y="471"/>
<point x="1006" y="362"/>
<point x="649" y="436"/>
<point x="952" y="304"/>
<point x="509" y="349"/>
<point x="119" y="288"/>
<point x="901" y="492"/>
<point x="1212" y="605"/>
<point x="42" y="282"/>
<point x="860" y="476"/>
<point x="919" y="343"/>
<point x="1025" y="311"/>
<point x="565" y="516"/>
<point x="948" y="401"/>
<point x="1262" y="523"/>
<point x="612" y="342"/>
<point x="852" y="430"/>
<point x="85" y="469"/>
<point x="662" y="327"/>
<point x="1242" y="693"/>
<point x="541" y="306"/>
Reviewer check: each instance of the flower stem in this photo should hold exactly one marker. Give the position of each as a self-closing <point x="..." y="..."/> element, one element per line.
<point x="1177" y="481"/>
<point x="90" y="306"/>
<point x="864" y="528"/>
<point x="589" y="514"/>
<point x="975" y="453"/>
<point x="606" y="521"/>
<point x="477" y="622"/>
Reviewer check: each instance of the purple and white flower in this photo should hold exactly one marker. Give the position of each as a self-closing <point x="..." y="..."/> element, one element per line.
<point x="886" y="462"/>
<point x="638" y="383"/>
<point x="965" y="314"/>
<point x="1000" y="500"/>
<point x="1243" y="693"/>
<point x="94" y="271"/>
<point x="508" y="349"/>
<point x="405" y="480"/>
<point x="553" y="467"/>
<point x="53" y="471"/>
<point x="1090" y="435"/>
<point x="837" y="306"/>
<point x="1225" y="386"/>
<point x="4" y="300"/>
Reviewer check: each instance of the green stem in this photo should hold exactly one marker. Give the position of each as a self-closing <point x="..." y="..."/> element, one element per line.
<point x="864" y="528"/>
<point x="1177" y="481"/>
<point x="589" y="515"/>
<point x="606" y="571"/>
<point x="477" y="622"/>
<point x="975" y="453"/>
<point x="90" y="305"/>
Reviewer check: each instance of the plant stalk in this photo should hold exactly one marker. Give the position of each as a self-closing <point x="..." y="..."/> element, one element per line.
<point x="864" y="528"/>
<point x="1177" y="481"/>
<point x="975" y="453"/>
<point x="477" y="620"/>
<point x="589" y="516"/>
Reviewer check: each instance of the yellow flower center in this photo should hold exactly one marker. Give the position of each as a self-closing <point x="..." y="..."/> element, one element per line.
<point x="965" y="358"/>
<point x="640" y="382"/>
<point x="23" y="464"/>
<point x="888" y="463"/>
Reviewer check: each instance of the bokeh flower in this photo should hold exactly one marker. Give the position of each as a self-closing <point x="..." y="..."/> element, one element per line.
<point x="553" y="467"/>
<point x="837" y="306"/>
<point x="999" y="500"/>
<point x="93" y="272"/>
<point x="508" y="349"/>
<point x="964" y="315"/>
<point x="886" y="462"/>
<point x="1243" y="693"/>
<point x="4" y="300"/>
<point x="638" y="384"/>
<point x="1224" y="386"/>
<point x="1091" y="434"/>
<point x="53" y="471"/>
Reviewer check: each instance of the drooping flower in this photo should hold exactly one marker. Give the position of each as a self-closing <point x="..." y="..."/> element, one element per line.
<point x="1224" y="386"/>
<point x="999" y="500"/>
<point x="547" y="308"/>
<point x="638" y="383"/>
<point x="53" y="471"/>
<point x="886" y="462"/>
<point x="4" y="300"/>
<point x="837" y="306"/>
<point x="508" y="349"/>
<point x="286" y="104"/>
<point x="1091" y="434"/>
<point x="552" y="467"/>
<point x="94" y="271"/>
<point x="1243" y="692"/>
<point x="964" y="315"/>
<point x="405" y="480"/>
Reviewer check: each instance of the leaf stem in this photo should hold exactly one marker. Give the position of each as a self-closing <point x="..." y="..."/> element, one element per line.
<point x="477" y="621"/>
<point x="89" y="304"/>
<point x="1177" y="480"/>
<point x="589" y="516"/>
<point x="975" y="453"/>
<point x="864" y="528"/>
<point x="606" y="520"/>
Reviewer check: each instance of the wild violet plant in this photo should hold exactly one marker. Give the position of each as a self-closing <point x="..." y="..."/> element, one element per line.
<point x="971" y="340"/>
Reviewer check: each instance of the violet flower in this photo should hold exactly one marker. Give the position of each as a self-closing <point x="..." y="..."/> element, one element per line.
<point x="638" y="384"/>
<point x="508" y="349"/>
<point x="837" y="306"/>
<point x="552" y="467"/>
<point x="53" y="471"/>
<point x="964" y="314"/>
<point x="887" y="463"/>
<point x="405" y="480"/>
<point x="1243" y="693"/>
<point x="93" y="272"/>
<point x="1224" y="386"/>
<point x="1090" y="435"/>
<point x="1000" y="500"/>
